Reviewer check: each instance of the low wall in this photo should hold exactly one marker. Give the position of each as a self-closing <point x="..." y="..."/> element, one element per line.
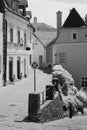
<point x="52" y="111"/>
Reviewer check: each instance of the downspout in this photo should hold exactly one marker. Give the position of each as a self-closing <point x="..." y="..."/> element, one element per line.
<point x="4" y="45"/>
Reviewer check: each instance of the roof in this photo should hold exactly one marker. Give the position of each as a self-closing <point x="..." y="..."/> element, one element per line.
<point x="44" y="32"/>
<point x="46" y="36"/>
<point x="43" y="26"/>
<point x="6" y="4"/>
<point x="74" y="20"/>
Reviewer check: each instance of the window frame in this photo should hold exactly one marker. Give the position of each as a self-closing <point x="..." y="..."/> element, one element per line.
<point x="11" y="34"/>
<point x="74" y="35"/>
<point x="83" y="81"/>
<point x="25" y="38"/>
<point x="62" y="57"/>
<point x="18" y="37"/>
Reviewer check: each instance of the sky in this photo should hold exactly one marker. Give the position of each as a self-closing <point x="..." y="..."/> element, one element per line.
<point x="45" y="10"/>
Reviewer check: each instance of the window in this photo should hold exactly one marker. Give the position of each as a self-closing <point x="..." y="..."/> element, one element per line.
<point x="62" y="57"/>
<point x="14" y="5"/>
<point x="18" y="34"/>
<point x="11" y="34"/>
<point x="84" y="81"/>
<point x="30" y="59"/>
<point x="74" y="35"/>
<point x="25" y="38"/>
<point x="30" y="37"/>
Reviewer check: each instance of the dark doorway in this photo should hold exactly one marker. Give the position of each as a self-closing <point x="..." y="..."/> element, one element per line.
<point x="11" y="69"/>
<point x="24" y="67"/>
<point x="18" y="68"/>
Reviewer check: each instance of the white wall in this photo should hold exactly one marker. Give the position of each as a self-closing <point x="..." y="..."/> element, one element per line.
<point x="76" y="59"/>
<point x="37" y="51"/>
<point x="14" y="50"/>
<point x="65" y="35"/>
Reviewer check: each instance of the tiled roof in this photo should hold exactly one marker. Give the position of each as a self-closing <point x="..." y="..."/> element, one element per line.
<point x="74" y="20"/>
<point x="46" y="36"/>
<point x="43" y="27"/>
<point x="45" y="33"/>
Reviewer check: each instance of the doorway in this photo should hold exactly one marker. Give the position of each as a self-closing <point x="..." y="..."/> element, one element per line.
<point x="10" y="68"/>
<point x="25" y="67"/>
<point x="18" y="67"/>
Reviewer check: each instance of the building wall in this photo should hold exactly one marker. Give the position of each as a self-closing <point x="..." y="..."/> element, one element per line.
<point x="38" y="50"/>
<point x="14" y="49"/>
<point x="49" y="59"/>
<point x="65" y="35"/>
<point x="1" y="49"/>
<point x="75" y="61"/>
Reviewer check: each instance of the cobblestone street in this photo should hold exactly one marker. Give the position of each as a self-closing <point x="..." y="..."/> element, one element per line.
<point x="14" y="107"/>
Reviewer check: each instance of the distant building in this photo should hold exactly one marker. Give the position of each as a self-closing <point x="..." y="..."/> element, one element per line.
<point x="43" y="35"/>
<point x="15" y="40"/>
<point x="69" y="48"/>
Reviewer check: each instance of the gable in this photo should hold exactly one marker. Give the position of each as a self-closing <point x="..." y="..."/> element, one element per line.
<point x="74" y="20"/>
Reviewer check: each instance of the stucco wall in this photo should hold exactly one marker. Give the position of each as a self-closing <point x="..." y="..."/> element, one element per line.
<point x="38" y="50"/>
<point x="17" y="23"/>
<point x="14" y="56"/>
<point x="76" y="59"/>
<point x="49" y="58"/>
<point x="14" y="49"/>
<point x="65" y="35"/>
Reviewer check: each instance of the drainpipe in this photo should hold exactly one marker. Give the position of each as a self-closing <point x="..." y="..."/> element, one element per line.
<point x="4" y="49"/>
<point x="3" y="10"/>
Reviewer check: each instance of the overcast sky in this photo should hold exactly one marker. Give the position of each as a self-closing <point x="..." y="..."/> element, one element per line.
<point x="45" y="10"/>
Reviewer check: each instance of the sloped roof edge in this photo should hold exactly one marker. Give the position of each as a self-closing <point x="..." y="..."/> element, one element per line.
<point x="52" y="42"/>
<point x="39" y="40"/>
<point x="74" y="20"/>
<point x="12" y="11"/>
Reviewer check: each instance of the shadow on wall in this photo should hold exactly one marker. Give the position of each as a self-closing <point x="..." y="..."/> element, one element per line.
<point x="47" y="70"/>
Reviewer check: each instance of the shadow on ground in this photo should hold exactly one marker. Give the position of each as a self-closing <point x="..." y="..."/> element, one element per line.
<point x="26" y="119"/>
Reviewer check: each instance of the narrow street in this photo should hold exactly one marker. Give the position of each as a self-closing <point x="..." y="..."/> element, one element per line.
<point x="14" y="107"/>
<point x="14" y="98"/>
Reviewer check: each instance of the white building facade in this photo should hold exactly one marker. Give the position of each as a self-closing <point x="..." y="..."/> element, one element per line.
<point x="70" y="47"/>
<point x="19" y="32"/>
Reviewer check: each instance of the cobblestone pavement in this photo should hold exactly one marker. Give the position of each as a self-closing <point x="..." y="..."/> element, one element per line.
<point x="14" y="107"/>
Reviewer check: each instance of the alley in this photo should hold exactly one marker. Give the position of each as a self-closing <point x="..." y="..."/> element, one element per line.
<point x="14" y="107"/>
<point x="14" y="97"/>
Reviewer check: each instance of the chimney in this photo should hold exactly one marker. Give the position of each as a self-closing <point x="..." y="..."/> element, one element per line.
<point x="59" y="21"/>
<point x="35" y="22"/>
<point x="86" y="18"/>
